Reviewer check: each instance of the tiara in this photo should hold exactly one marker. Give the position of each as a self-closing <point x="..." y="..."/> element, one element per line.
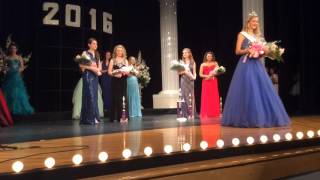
<point x="253" y="14"/>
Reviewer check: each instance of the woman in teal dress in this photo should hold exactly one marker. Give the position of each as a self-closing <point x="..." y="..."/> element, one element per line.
<point x="13" y="87"/>
<point x="133" y="93"/>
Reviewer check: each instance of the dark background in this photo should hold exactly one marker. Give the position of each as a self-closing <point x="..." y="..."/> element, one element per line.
<point x="202" y="25"/>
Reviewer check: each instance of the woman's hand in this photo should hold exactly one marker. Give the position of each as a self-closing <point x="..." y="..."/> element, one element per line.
<point x="119" y="75"/>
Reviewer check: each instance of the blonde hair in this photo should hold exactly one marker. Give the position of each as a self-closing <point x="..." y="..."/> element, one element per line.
<point x="256" y="31"/>
<point x="191" y="56"/>
<point x="115" y="50"/>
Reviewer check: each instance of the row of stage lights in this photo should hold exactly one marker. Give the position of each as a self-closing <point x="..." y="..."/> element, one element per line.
<point x="127" y="153"/>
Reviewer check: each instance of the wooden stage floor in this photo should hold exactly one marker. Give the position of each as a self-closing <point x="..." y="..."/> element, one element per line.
<point x="33" y="153"/>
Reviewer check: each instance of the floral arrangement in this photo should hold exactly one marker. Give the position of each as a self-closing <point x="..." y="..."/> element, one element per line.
<point x="178" y="65"/>
<point x="84" y="59"/>
<point x="275" y="51"/>
<point x="144" y="75"/>
<point x="218" y="71"/>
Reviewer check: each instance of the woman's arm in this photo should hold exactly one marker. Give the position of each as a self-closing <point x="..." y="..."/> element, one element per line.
<point x="201" y="73"/>
<point x="22" y="67"/>
<point x="238" y="49"/>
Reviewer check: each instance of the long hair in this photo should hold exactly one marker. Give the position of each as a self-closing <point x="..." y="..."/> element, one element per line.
<point x="191" y="56"/>
<point x="12" y="44"/>
<point x="115" y="50"/>
<point x="206" y="54"/>
<point x="96" y="52"/>
<point x="256" y="31"/>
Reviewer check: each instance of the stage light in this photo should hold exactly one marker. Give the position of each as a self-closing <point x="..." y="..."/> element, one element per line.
<point x="263" y="139"/>
<point x="186" y="147"/>
<point x="168" y="149"/>
<point x="250" y="140"/>
<point x="49" y="162"/>
<point x="148" y="151"/>
<point x="126" y="153"/>
<point x="299" y="135"/>
<point x="318" y="132"/>
<point x="235" y="141"/>
<point x="276" y="137"/>
<point x="77" y="159"/>
<point x="204" y="145"/>
<point x="103" y="156"/>
<point x="220" y="143"/>
<point x="310" y="134"/>
<point x="17" y="166"/>
<point x="288" y="136"/>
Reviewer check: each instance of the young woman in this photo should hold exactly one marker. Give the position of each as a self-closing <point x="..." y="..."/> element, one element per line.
<point x="187" y="78"/>
<point x="252" y="100"/>
<point x="13" y="87"/>
<point x="118" y="82"/>
<point x="133" y="92"/>
<point x="89" y="109"/>
<point x="106" y="81"/>
<point x="210" y="99"/>
<point x="5" y="116"/>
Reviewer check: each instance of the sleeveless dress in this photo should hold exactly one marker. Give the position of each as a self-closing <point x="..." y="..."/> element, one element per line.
<point x="106" y="87"/>
<point x="210" y="99"/>
<point x="187" y="89"/>
<point x="5" y="116"/>
<point x="89" y="109"/>
<point x="252" y="100"/>
<point x="15" y="91"/>
<point x="133" y="93"/>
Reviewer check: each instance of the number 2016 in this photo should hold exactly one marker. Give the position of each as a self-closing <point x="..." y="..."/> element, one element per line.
<point x="52" y="8"/>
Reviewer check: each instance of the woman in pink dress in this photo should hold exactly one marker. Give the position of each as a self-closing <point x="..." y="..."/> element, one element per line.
<point x="210" y="104"/>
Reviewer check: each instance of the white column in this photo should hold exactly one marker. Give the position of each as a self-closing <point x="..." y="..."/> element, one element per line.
<point x="253" y="5"/>
<point x="169" y="51"/>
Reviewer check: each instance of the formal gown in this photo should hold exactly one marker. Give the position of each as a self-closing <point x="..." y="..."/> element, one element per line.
<point x="89" y="109"/>
<point x="252" y="100"/>
<point x="210" y="99"/>
<point x="106" y="87"/>
<point x="15" y="91"/>
<point x="187" y="93"/>
<point x="118" y="91"/>
<point x="5" y="116"/>
<point x="77" y="101"/>
<point x="133" y="94"/>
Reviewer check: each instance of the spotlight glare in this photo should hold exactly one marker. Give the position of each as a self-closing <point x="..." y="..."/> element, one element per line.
<point x="77" y="159"/>
<point x="299" y="135"/>
<point x="310" y="134"/>
<point x="288" y="136"/>
<point x="126" y="153"/>
<point x="235" y="141"/>
<point x="250" y="140"/>
<point x="148" y="151"/>
<point x="17" y="166"/>
<point x="186" y="147"/>
<point x="318" y="132"/>
<point x="204" y="145"/>
<point x="168" y="149"/>
<point x="103" y="156"/>
<point x="276" y="137"/>
<point x="263" y="139"/>
<point x="220" y="143"/>
<point x="49" y="162"/>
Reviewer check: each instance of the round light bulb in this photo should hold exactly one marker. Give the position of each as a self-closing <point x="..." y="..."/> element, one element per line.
<point x="186" y="147"/>
<point x="250" y="140"/>
<point x="288" y="136"/>
<point x="318" y="132"/>
<point x="204" y="145"/>
<point x="310" y="134"/>
<point x="168" y="149"/>
<point x="276" y="137"/>
<point x="263" y="139"/>
<point x="17" y="166"/>
<point x="103" y="156"/>
<point x="299" y="135"/>
<point x="235" y="141"/>
<point x="126" y="153"/>
<point x="148" y="151"/>
<point x="220" y="143"/>
<point x="77" y="159"/>
<point x="49" y="162"/>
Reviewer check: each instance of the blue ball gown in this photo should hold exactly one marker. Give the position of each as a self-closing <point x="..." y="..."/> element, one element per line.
<point x="15" y="91"/>
<point x="252" y="100"/>
<point x="89" y="109"/>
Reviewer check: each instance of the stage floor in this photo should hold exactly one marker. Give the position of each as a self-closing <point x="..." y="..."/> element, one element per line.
<point x="33" y="142"/>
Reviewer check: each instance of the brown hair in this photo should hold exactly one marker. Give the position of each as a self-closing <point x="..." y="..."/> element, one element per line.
<point x="206" y="54"/>
<point x="96" y="52"/>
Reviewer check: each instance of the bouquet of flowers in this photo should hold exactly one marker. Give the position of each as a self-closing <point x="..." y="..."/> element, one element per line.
<point x="218" y="71"/>
<point x="275" y="51"/>
<point x="257" y="48"/>
<point x="84" y="59"/>
<point x="178" y="65"/>
<point x="144" y="75"/>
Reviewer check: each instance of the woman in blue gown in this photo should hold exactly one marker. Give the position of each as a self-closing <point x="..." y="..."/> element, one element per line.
<point x="252" y="100"/>
<point x="89" y="109"/>
<point x="133" y="92"/>
<point x="13" y="87"/>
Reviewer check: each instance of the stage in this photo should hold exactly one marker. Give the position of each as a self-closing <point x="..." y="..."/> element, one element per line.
<point x="170" y="143"/>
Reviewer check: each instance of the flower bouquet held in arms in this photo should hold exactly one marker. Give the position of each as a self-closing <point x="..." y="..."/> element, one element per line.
<point x="217" y="71"/>
<point x="256" y="49"/>
<point x="275" y="51"/>
<point x="144" y="75"/>
<point x="178" y="65"/>
<point x="84" y="59"/>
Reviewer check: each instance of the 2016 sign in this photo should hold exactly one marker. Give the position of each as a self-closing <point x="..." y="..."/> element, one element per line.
<point x="52" y="8"/>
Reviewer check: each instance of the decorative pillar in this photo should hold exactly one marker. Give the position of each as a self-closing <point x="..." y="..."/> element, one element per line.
<point x="168" y="97"/>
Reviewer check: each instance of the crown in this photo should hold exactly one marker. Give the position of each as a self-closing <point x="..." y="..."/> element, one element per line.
<point x="253" y="14"/>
